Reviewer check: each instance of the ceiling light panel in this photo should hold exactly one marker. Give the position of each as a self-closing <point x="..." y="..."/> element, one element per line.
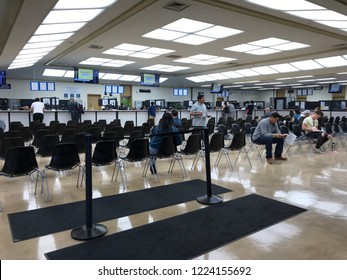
<point x="335" y="61"/>
<point x="65" y="16"/>
<point x="293" y="5"/>
<point x="54" y="73"/>
<point x="192" y="32"/>
<point x="58" y="28"/>
<point x="319" y="15"/>
<point x="204" y="59"/>
<point x="49" y="38"/>
<point x="266" y="46"/>
<point x="306" y="65"/>
<point x="165" y="68"/>
<point x="137" y="51"/>
<point x="87" y="4"/>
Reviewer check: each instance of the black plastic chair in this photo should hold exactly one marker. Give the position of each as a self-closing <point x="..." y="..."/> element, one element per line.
<point x="68" y="135"/>
<point x="217" y="146"/>
<point x="65" y="158"/>
<point x="128" y="127"/>
<point x="38" y="136"/>
<point x="239" y="144"/>
<point x="47" y="145"/>
<point x="138" y="152"/>
<point x="21" y="161"/>
<point x="104" y="154"/>
<point x="192" y="147"/>
<point x="135" y="134"/>
<point x="95" y="131"/>
<point x="80" y="140"/>
<point x="9" y="142"/>
<point x="25" y="132"/>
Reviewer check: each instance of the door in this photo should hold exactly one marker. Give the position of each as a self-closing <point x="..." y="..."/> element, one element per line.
<point x="92" y="102"/>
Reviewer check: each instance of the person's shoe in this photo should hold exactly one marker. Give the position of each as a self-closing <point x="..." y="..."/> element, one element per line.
<point x="270" y="160"/>
<point x="280" y="158"/>
<point x="318" y="151"/>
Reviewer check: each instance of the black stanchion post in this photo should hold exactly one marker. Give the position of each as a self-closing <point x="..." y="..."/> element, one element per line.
<point x="209" y="198"/>
<point x="90" y="230"/>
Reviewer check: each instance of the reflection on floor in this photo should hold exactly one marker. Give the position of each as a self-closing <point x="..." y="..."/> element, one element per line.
<point x="316" y="182"/>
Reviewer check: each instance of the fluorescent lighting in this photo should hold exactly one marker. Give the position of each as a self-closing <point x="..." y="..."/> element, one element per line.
<point x="62" y="16"/>
<point x="110" y="76"/>
<point x="241" y="48"/>
<point x="187" y="25"/>
<point x="49" y="38"/>
<point x="319" y="15"/>
<point x="130" y="47"/>
<point x="205" y="62"/>
<point x="58" y="28"/>
<point x="54" y="73"/>
<point x="202" y="56"/>
<point x="306" y="65"/>
<point x="86" y="4"/>
<point x="162" y="34"/>
<point x="290" y="46"/>
<point x="195" y="79"/>
<point x="130" y="78"/>
<point x="218" y="32"/>
<point x="194" y="40"/>
<point x="232" y="74"/>
<point x="247" y="72"/>
<point x="294" y="5"/>
<point x="335" y="61"/>
<point x="69" y="74"/>
<point x="118" y="52"/>
<point x="264" y="70"/>
<point x="143" y="55"/>
<point x="263" y="51"/>
<point x="268" y="42"/>
<point x="41" y="50"/>
<point x="42" y="45"/>
<point x="158" y="51"/>
<point x="284" y="68"/>
<point x="219" y="76"/>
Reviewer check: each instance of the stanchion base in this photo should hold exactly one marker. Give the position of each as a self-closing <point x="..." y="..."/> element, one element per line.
<point x="84" y="233"/>
<point x="214" y="199"/>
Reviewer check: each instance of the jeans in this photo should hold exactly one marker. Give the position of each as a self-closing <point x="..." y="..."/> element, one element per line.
<point x="318" y="135"/>
<point x="268" y="141"/>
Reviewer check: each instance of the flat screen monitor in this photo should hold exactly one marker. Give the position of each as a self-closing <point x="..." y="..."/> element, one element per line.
<point x="82" y="75"/>
<point x="216" y="88"/>
<point x="2" y="77"/>
<point x="335" y="88"/>
<point x="150" y="80"/>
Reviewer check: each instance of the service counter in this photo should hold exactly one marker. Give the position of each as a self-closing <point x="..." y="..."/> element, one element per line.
<point x="137" y="116"/>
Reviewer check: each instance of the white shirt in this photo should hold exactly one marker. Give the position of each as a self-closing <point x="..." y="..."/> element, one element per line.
<point x="199" y="120"/>
<point x="37" y="107"/>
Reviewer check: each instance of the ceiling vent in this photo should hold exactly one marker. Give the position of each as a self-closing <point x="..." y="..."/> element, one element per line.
<point x="95" y="47"/>
<point x="175" y="6"/>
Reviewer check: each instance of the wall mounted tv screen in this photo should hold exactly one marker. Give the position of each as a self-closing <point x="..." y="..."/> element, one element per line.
<point x="335" y="88"/>
<point x="216" y="88"/>
<point x="150" y="80"/>
<point x="2" y="77"/>
<point x="82" y="75"/>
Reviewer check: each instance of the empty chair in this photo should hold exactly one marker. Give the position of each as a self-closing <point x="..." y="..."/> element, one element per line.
<point x="95" y="131"/>
<point x="104" y="154"/>
<point x="59" y="128"/>
<point x="15" y="125"/>
<point x="217" y="146"/>
<point x="128" y="127"/>
<point x="38" y="135"/>
<point x="68" y="135"/>
<point x="133" y="135"/>
<point x="117" y="122"/>
<point x="103" y="123"/>
<point x="36" y="126"/>
<point x="21" y="161"/>
<point x="47" y="144"/>
<point x="64" y="158"/>
<point x="238" y="143"/>
<point x="138" y="152"/>
<point x="11" y="133"/>
<point x="192" y="147"/>
<point x="25" y="132"/>
<point x="80" y="140"/>
<point x="87" y="122"/>
<point x="10" y="142"/>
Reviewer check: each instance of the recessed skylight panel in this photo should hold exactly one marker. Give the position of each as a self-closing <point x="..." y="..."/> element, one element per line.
<point x="187" y="25"/>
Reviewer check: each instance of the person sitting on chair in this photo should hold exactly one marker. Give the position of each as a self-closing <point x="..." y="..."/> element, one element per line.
<point x="310" y="127"/>
<point x="267" y="133"/>
<point x="165" y="126"/>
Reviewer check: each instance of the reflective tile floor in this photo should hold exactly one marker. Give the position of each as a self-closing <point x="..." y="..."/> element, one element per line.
<point x="316" y="182"/>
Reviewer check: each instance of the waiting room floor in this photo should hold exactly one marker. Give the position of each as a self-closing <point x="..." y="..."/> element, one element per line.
<point x="316" y="182"/>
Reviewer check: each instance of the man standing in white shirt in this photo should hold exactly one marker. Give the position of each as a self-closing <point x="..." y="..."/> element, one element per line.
<point x="37" y="108"/>
<point x="199" y="112"/>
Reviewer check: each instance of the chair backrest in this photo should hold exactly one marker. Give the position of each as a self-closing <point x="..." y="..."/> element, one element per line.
<point x="235" y="128"/>
<point x="104" y="152"/>
<point x="47" y="144"/>
<point x="297" y="130"/>
<point x="135" y="134"/>
<point x="217" y="142"/>
<point x="328" y="128"/>
<point x="20" y="161"/>
<point x="343" y="126"/>
<point x="15" y="125"/>
<point x="284" y="129"/>
<point x="337" y="127"/>
<point x="79" y="139"/>
<point x="193" y="145"/>
<point x="167" y="147"/>
<point x="10" y="142"/>
<point x="65" y="157"/>
<point x="238" y="142"/>
<point x="138" y="150"/>
<point x="128" y="127"/>
<point x="25" y="132"/>
<point x="39" y="134"/>
<point x="68" y="135"/>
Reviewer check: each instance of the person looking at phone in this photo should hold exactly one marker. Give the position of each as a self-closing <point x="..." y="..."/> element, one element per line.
<point x="266" y="133"/>
<point x="199" y="112"/>
<point x="310" y="127"/>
